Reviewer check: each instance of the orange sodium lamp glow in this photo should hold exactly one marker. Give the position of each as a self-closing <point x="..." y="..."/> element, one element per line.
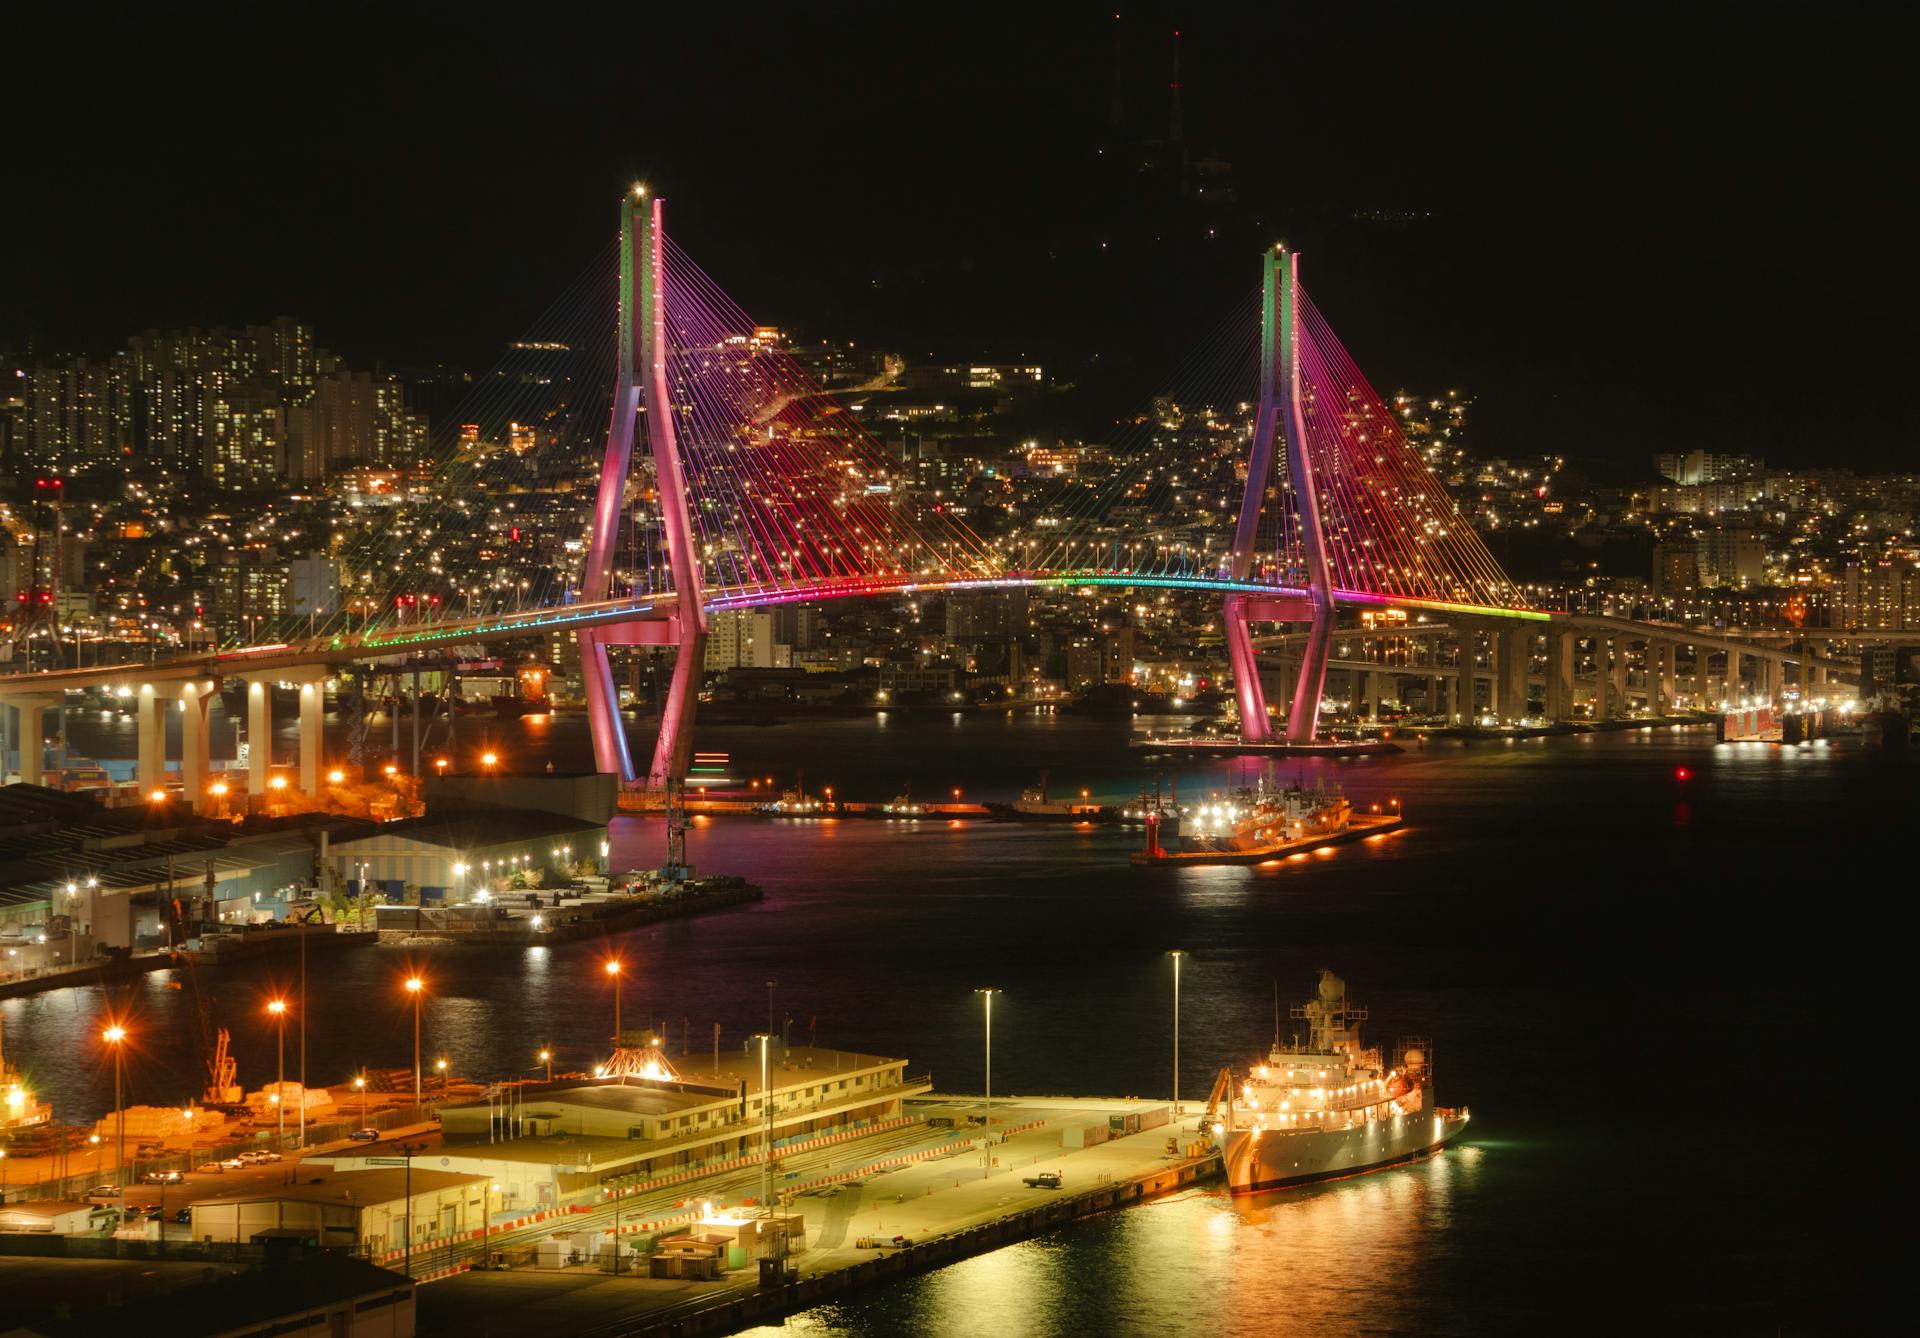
<point x="415" y="984"/>
<point x="277" y="783"/>
<point x="114" y="1034"/>
<point x="336" y="776"/>
<point x="276" y="1006"/>
<point x="489" y="759"/>
<point x="391" y="769"/>
<point x="158" y="796"/>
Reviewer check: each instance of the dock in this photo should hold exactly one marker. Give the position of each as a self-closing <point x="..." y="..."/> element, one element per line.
<point x="948" y="1194"/>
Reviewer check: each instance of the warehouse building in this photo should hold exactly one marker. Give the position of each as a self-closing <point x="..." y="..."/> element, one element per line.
<point x="551" y="1144"/>
<point x="364" y="1210"/>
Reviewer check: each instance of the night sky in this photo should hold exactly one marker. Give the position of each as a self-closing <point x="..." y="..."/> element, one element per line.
<point x="1624" y="229"/>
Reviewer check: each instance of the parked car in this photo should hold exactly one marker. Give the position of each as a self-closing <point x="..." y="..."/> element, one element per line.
<point x="365" y="1135"/>
<point x="234" y="1164"/>
<point x="143" y="1210"/>
<point x="161" y="1177"/>
<point x="183" y="1216"/>
<point x="104" y="1192"/>
<point x="211" y="1167"/>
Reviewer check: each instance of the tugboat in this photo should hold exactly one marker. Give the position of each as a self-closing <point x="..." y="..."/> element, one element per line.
<point x="903" y="806"/>
<point x="794" y="803"/>
<point x="1328" y="1108"/>
<point x="1034" y="806"/>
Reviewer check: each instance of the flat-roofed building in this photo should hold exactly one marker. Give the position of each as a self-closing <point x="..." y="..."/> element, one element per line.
<point x="556" y="1143"/>
<point x="367" y="1210"/>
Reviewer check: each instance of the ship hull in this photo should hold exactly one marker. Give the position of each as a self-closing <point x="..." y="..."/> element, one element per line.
<point x="1256" y="1161"/>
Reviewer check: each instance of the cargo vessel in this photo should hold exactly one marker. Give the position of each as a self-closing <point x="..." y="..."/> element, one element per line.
<point x="1329" y="1107"/>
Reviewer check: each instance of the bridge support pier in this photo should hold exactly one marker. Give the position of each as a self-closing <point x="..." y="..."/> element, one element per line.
<point x="1602" y="679"/>
<point x="150" y="738"/>
<point x="195" y="759"/>
<point x="673" y="747"/>
<point x="32" y="734"/>
<point x="1617" y="688"/>
<point x="1560" y="662"/>
<point x="259" y="736"/>
<point x="1661" y="686"/>
<point x="1247" y="689"/>
<point x="1513" y="656"/>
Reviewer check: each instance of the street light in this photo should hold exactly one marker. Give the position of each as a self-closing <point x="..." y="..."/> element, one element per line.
<point x="360" y="1085"/>
<point x="336" y="776"/>
<point x="277" y="1009"/>
<point x="441" y="1066"/>
<point x="613" y="969"/>
<point x="489" y="760"/>
<point x="116" y="1035"/>
<point x="546" y="1057"/>
<point x="416" y="987"/>
<point x="986" y="996"/>
<point x="1176" y="954"/>
<point x="766" y="1126"/>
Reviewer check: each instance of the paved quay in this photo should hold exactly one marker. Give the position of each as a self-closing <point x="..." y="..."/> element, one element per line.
<point x="946" y="1195"/>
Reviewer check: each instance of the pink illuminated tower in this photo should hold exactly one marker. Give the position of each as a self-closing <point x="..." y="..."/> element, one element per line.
<point x="641" y="388"/>
<point x="1280" y="415"/>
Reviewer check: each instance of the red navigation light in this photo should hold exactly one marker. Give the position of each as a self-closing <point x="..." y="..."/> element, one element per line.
<point x="1681" y="773"/>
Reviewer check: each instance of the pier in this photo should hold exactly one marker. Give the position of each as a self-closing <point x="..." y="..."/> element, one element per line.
<point x="875" y="1209"/>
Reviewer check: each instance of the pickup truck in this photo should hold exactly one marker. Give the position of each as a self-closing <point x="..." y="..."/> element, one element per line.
<point x="1043" y="1180"/>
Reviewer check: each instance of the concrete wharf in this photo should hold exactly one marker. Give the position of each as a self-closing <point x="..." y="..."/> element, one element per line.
<point x="943" y="1195"/>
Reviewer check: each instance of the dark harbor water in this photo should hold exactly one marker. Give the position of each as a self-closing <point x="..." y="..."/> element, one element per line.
<point x="1670" y="1004"/>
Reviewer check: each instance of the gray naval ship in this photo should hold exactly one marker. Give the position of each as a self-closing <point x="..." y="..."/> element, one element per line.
<point x="1330" y="1107"/>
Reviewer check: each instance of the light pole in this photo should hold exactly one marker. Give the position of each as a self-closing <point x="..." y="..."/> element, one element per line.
<point x="277" y="1009"/>
<point x="986" y="996"/>
<point x="441" y="1066"/>
<point x="303" y="1026"/>
<point x="360" y="1085"/>
<point x="416" y="987"/>
<point x="766" y="1134"/>
<point x="407" y="1150"/>
<point x="1176" y="954"/>
<point x="546" y="1057"/>
<point x="613" y="970"/>
<point x="116" y="1035"/>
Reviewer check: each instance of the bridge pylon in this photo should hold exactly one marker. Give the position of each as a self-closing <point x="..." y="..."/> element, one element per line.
<point x="1281" y="418"/>
<point x="641" y="387"/>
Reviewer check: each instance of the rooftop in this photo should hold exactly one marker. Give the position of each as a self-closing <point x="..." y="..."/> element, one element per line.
<point x="78" y="1298"/>
<point x="477" y="826"/>
<point x="357" y="1189"/>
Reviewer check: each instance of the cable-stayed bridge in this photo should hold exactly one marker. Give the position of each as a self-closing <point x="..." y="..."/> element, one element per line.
<point x="729" y="479"/>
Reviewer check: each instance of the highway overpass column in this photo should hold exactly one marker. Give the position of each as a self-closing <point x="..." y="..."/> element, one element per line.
<point x="1558" y="697"/>
<point x="1602" y="678"/>
<point x="195" y="755"/>
<point x="1433" y="694"/>
<point x="259" y="736"/>
<point x="312" y="681"/>
<point x="150" y="735"/>
<point x="33" y="708"/>
<point x="1617" y="689"/>
<point x="1665" y="688"/>
<point x="1513" y="660"/>
<point x="1766" y="679"/>
<point x="1703" y="677"/>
